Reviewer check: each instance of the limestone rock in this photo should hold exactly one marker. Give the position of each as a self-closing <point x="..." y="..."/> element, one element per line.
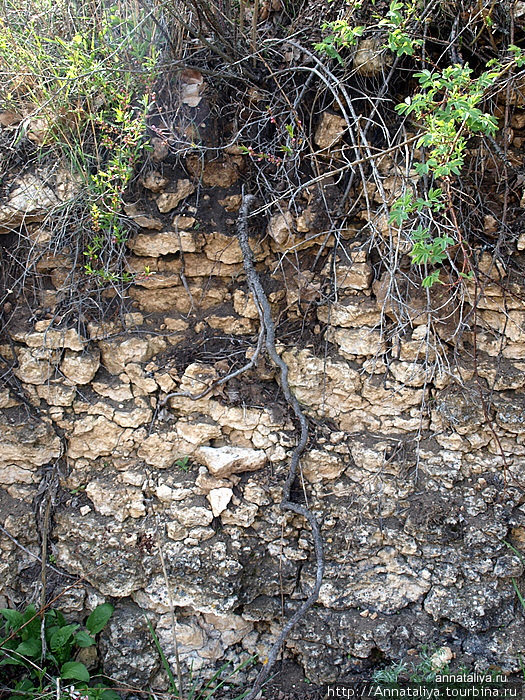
<point x="141" y="219"/>
<point x="176" y="531"/>
<point x="231" y="203"/>
<point x="138" y="414"/>
<point x="479" y="606"/>
<point x="28" y="444"/>
<point x="34" y="366"/>
<point x="55" y="393"/>
<point x="30" y="199"/>
<point x="95" y="436"/>
<point x="116" y="354"/>
<point x="370" y="57"/>
<point x="219" y="499"/>
<point x="165" y="243"/>
<point x="181" y="300"/>
<point x="80" y="368"/>
<point x="230" y="324"/>
<point x="243" y="515"/>
<point x="225" y="249"/>
<point x="223" y="461"/>
<point x="199" y="266"/>
<point x="353" y="342"/>
<point x="111" y="499"/>
<point x="352" y="312"/>
<point x="244" y="304"/>
<point x="44" y="337"/>
<point x="410" y="373"/>
<point x="352" y="274"/>
<point x="510" y="413"/>
<point x="162" y="449"/>
<point x="154" y="181"/>
<point x="116" y="390"/>
<point x="215" y="173"/>
<point x="198" y="431"/>
<point x="233" y="628"/>
<point x="337" y="393"/>
<point x="280" y="227"/>
<point x="183" y="223"/>
<point x="330" y="130"/>
<point x="169" y="200"/>
<point x="318" y="465"/>
<point x="205" y="482"/>
<point x="142" y="383"/>
<point x="195" y="516"/>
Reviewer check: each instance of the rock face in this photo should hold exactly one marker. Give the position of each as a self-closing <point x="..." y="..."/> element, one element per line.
<point x="416" y="481"/>
<point x="30" y="199"/>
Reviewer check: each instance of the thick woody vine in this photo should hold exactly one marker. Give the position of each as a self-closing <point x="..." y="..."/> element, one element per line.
<point x="268" y="327"/>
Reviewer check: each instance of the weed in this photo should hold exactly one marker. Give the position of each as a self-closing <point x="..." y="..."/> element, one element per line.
<point x="84" y="86"/>
<point x="396" y="21"/>
<point x="519" y="594"/>
<point x="184" y="464"/>
<point x="42" y="650"/>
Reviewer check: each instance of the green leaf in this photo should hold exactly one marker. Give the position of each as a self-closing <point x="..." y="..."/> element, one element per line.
<point x="32" y="623"/>
<point x="74" y="670"/>
<point x="431" y="279"/>
<point x="109" y="694"/>
<point x="83" y="639"/>
<point x="14" y="618"/>
<point x="62" y="636"/>
<point x="31" y="647"/>
<point x="99" y="618"/>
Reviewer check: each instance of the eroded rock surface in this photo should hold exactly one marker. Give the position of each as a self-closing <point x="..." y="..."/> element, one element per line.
<point x="416" y="481"/>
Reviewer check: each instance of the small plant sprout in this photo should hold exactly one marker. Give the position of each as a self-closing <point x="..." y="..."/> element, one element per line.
<point x="183" y="464"/>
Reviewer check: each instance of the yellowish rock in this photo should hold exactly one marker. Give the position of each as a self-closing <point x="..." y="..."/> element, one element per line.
<point x="330" y="130"/>
<point x="169" y="200"/>
<point x="34" y="366"/>
<point x="318" y="465"/>
<point x="280" y="227"/>
<point x="80" y="368"/>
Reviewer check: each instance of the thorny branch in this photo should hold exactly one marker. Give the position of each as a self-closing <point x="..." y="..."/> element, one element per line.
<point x="268" y="328"/>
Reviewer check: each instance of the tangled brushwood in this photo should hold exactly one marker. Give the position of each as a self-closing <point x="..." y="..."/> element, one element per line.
<point x="380" y="128"/>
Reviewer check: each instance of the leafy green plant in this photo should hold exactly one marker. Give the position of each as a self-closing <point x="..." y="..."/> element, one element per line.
<point x="123" y="136"/>
<point x="448" y="112"/>
<point x="397" y="20"/>
<point x="424" y="672"/>
<point x="183" y="464"/>
<point x="431" y="671"/>
<point x="341" y="34"/>
<point x="83" y="82"/>
<point x="40" y="653"/>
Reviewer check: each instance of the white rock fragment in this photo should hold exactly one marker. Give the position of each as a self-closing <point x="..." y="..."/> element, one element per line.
<point x="223" y="461"/>
<point x="219" y="499"/>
